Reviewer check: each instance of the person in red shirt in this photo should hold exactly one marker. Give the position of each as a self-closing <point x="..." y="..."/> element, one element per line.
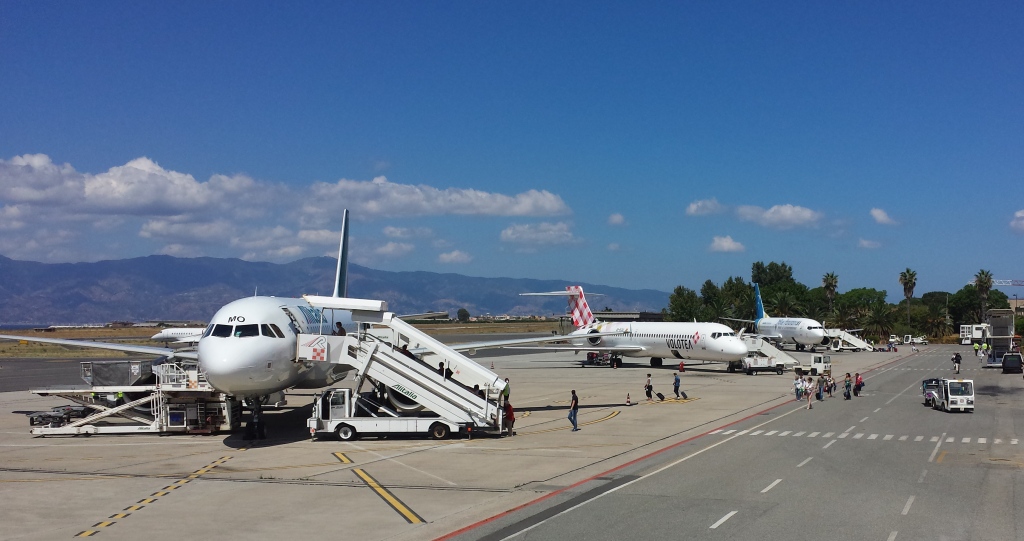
<point x="510" y="418"/>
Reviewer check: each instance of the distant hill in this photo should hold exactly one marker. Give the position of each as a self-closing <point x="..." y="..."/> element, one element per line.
<point x="164" y="287"/>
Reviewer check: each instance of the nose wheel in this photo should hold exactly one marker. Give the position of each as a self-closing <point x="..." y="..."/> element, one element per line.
<point x="255" y="428"/>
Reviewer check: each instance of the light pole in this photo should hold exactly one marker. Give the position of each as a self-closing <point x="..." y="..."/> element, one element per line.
<point x="1013" y="319"/>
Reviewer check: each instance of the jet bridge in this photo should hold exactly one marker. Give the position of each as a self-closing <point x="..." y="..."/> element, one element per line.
<point x="426" y="372"/>
<point x="842" y="340"/>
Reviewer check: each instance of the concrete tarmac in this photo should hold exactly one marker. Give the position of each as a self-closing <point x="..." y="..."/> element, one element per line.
<point x="124" y="487"/>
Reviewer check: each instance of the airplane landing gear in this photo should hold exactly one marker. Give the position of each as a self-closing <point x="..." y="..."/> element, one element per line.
<point x="255" y="429"/>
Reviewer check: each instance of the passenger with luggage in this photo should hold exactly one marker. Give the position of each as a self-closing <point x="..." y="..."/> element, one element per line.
<point x="858" y="384"/>
<point x="847" y="384"/>
<point x="648" y="388"/>
<point x="808" y="390"/>
<point x="798" y="387"/>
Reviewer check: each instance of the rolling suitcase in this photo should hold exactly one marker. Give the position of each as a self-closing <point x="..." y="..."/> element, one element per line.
<point x="660" y="396"/>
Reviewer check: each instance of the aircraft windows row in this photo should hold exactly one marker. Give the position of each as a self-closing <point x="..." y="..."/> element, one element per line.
<point x="244" y="331"/>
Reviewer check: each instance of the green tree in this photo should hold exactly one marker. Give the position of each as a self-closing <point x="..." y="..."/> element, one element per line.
<point x="831" y="283"/>
<point x="880" y="319"/>
<point x="783" y="304"/>
<point x="844" y="315"/>
<point x="983" y="281"/>
<point x="683" y="305"/>
<point x="463" y="315"/>
<point x="908" y="279"/>
<point x="771" y="274"/>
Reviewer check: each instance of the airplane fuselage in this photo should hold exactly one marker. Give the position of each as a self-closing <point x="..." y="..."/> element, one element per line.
<point x="794" y="330"/>
<point x="249" y="348"/>
<point x="679" y="340"/>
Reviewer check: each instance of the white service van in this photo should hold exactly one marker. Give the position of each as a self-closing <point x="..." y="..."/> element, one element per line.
<point x="954" y="394"/>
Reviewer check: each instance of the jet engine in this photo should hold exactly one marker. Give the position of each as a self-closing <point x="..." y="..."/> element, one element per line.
<point x="594" y="340"/>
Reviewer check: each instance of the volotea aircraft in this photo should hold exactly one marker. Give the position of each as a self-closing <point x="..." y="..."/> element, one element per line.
<point x="658" y="340"/>
<point x="249" y="349"/>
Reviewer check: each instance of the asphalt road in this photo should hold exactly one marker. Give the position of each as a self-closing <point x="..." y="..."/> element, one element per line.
<point x="878" y="467"/>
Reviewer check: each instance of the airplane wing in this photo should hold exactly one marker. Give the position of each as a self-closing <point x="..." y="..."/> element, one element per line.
<point x="609" y="349"/>
<point x="148" y="350"/>
<point x="473" y="346"/>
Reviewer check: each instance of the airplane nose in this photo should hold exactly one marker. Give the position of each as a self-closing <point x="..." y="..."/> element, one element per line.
<point x="223" y="365"/>
<point x="737" y="348"/>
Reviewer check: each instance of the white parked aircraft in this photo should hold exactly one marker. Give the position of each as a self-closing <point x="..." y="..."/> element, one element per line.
<point x="657" y="340"/>
<point x="794" y="330"/>
<point x="249" y="348"/>
<point x="179" y="335"/>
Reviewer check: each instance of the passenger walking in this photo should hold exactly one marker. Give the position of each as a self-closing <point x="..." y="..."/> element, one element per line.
<point x="798" y="386"/>
<point x="510" y="418"/>
<point x="847" y="384"/>
<point x="574" y="407"/>
<point x="956" y="362"/>
<point x="675" y="385"/>
<point x="807" y="390"/>
<point x="649" y="388"/>
<point x="821" y="388"/>
<point x="858" y="384"/>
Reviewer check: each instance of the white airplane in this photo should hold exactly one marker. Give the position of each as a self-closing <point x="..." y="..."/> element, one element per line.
<point x="657" y="340"/>
<point x="249" y="348"/>
<point x="179" y="335"/>
<point x="794" y="330"/>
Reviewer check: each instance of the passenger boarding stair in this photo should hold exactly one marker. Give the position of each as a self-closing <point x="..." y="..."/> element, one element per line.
<point x="763" y="347"/>
<point x="378" y="356"/>
<point x="843" y="340"/>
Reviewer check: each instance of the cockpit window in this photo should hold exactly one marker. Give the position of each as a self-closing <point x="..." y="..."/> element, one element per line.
<point x="245" y="331"/>
<point x="209" y="330"/>
<point x="222" y="331"/>
<point x="265" y="331"/>
<point x="277" y="330"/>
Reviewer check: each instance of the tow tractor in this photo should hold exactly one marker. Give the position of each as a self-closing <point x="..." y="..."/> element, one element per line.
<point x="930" y="390"/>
<point x="820" y="364"/>
<point x="337" y="412"/>
<point x="954" y="394"/>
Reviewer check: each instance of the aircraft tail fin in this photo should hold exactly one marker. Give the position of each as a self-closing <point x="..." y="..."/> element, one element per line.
<point x="341" y="275"/>
<point x="757" y="301"/>
<point x="578" y="307"/>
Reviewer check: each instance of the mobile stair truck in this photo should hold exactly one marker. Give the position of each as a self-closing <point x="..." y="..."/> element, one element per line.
<point x="410" y="393"/>
<point x="762" y="356"/>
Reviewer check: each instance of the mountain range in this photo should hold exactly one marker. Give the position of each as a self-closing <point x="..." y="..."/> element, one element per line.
<point x="163" y="287"/>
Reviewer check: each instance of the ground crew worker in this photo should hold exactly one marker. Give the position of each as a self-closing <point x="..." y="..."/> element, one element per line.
<point x="976" y="348"/>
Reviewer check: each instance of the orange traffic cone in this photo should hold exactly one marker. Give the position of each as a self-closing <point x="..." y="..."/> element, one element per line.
<point x="492" y="365"/>
<point x="628" y="402"/>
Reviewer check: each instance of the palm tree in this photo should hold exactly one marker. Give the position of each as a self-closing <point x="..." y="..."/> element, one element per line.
<point x="880" y="319"/>
<point x="830" y="282"/>
<point x="908" y="279"/>
<point x="844" y="316"/>
<point x="983" y="281"/>
<point x="784" y="304"/>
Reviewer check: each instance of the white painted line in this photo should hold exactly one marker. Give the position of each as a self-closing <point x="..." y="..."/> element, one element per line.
<point x="887" y="437"/>
<point x="923" y="473"/>
<point x="798" y="434"/>
<point x="742" y="432"/>
<point x="892" y="536"/>
<point x="877" y="410"/>
<point x="911" y="386"/>
<point x="723" y="519"/>
<point x="998" y="441"/>
<point x="403" y="464"/>
<point x="829" y="444"/>
<point x="933" y="439"/>
<point x="771" y="486"/>
<point x="936" y="450"/>
<point x="873" y="437"/>
<point x="727" y="432"/>
<point x="813" y="434"/>
<point x="906" y="508"/>
<point x="843" y="435"/>
<point x="770" y="432"/>
<point x="829" y="434"/>
<point x="756" y="432"/>
<point x="918" y="438"/>
<point x="903" y="438"/>
<point x="982" y="440"/>
<point x="851" y="428"/>
<point x="864" y="419"/>
<point x="784" y="433"/>
<point x="965" y="440"/>
<point x="715" y="431"/>
<point x="806" y="460"/>
<point x="950" y="439"/>
<point x="858" y="435"/>
<point x="1013" y="441"/>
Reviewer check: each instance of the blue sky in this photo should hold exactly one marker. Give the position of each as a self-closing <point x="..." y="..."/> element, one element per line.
<point x="641" y="145"/>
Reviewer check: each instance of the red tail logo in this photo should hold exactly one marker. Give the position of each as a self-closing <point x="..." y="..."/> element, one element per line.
<point x="578" y="307"/>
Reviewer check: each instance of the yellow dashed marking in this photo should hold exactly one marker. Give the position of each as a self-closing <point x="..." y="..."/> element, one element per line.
<point x="87" y="533"/>
<point x="103" y="524"/>
<point x="667" y="400"/>
<point x="134" y="507"/>
<point x="941" y="456"/>
<point x="344" y="459"/>
<point x="119" y="515"/>
<point x="147" y="500"/>
<point x="408" y="514"/>
<point x="159" y="494"/>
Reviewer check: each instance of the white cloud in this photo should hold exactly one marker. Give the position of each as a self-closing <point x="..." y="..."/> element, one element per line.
<point x="614" y="247"/>
<point x="542" y="234"/>
<point x="380" y="198"/>
<point x="780" y="216"/>
<point x="726" y="244"/>
<point x="394" y="249"/>
<point x="882" y="217"/>
<point x="407" y="232"/>
<point x="455" y="256"/>
<point x="11" y="218"/>
<point x="1018" y="220"/>
<point x="703" y="207"/>
<point x="868" y="244"/>
<point x="320" y="237"/>
<point x="616" y="219"/>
